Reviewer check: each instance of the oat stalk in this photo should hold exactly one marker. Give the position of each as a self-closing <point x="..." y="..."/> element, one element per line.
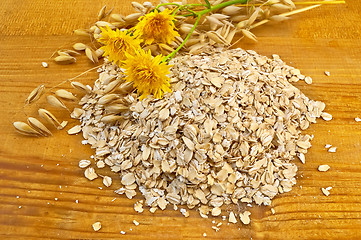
<point x="199" y="15"/>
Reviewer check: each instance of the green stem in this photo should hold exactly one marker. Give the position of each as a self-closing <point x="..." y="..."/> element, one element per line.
<point x="208" y="4"/>
<point x="222" y="5"/>
<point x="167" y="4"/>
<point x="181" y="6"/>
<point x="196" y="5"/>
<point x="175" y="11"/>
<point x="171" y="55"/>
<point x="191" y="11"/>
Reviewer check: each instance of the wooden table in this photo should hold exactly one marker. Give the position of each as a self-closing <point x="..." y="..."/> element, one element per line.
<point x="40" y="180"/>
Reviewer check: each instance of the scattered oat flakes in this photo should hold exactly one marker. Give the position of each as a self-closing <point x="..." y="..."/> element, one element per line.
<point x="325" y="191"/>
<point x="308" y="80"/>
<point x="332" y="149"/>
<point x="327" y="73"/>
<point x="135" y="223"/>
<point x="328" y="145"/>
<point x="216" y="211"/>
<point x="323" y="168"/>
<point x="63" y="124"/>
<point x="302" y="157"/>
<point x="128" y="179"/>
<point x="184" y="212"/>
<point x="357" y="119"/>
<point x="122" y="232"/>
<point x="152" y="209"/>
<point x="232" y="218"/>
<point x="273" y="211"/>
<point x="245" y="217"/>
<point x="100" y="164"/>
<point x="90" y="173"/>
<point x="215" y="228"/>
<point x="326" y="116"/>
<point x="44" y="64"/>
<point x="74" y="130"/>
<point x="97" y="226"/>
<point x="138" y="207"/>
<point x="107" y="181"/>
<point x="204" y="234"/>
<point x="84" y="163"/>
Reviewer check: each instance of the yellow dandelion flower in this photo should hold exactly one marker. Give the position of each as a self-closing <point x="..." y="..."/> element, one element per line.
<point x="148" y="74"/>
<point x="157" y="27"/>
<point x="117" y="43"/>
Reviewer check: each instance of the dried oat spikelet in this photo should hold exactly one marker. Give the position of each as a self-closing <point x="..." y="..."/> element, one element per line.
<point x="117" y="18"/>
<point x="112" y="86"/>
<point x="102" y="12"/>
<point x="231" y="35"/>
<point x="278" y="18"/>
<point x="231" y="10"/>
<point x="79" y="46"/>
<point x="214" y="22"/>
<point x="253" y="17"/>
<point x="91" y="55"/>
<point x="249" y="35"/>
<point x="99" y="53"/>
<point x="68" y="52"/>
<point x="60" y="53"/>
<point x="103" y="24"/>
<point x="107" y="98"/>
<point x="139" y="7"/>
<point x="35" y="94"/>
<point x="81" y="32"/>
<point x="25" y="129"/>
<point x="131" y="18"/>
<point x="197" y="48"/>
<point x="54" y="101"/>
<point x="165" y="48"/>
<point x="65" y="60"/>
<point x="125" y="88"/>
<point x="111" y="118"/>
<point x="217" y="38"/>
<point x="50" y="118"/>
<point x="290" y="3"/>
<point x="66" y="95"/>
<point x="116" y="108"/>
<point x="38" y="126"/>
<point x="81" y="87"/>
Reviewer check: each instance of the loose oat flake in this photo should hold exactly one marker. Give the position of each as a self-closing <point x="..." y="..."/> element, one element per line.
<point x="97" y="226"/>
<point x="323" y="168"/>
<point x="332" y="149"/>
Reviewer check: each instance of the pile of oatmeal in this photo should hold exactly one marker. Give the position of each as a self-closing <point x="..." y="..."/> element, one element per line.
<point x="229" y="133"/>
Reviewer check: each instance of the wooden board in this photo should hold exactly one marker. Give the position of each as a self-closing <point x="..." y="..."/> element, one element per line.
<point x="40" y="180"/>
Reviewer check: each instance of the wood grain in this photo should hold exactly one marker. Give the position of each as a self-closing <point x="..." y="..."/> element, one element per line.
<point x="40" y="170"/>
